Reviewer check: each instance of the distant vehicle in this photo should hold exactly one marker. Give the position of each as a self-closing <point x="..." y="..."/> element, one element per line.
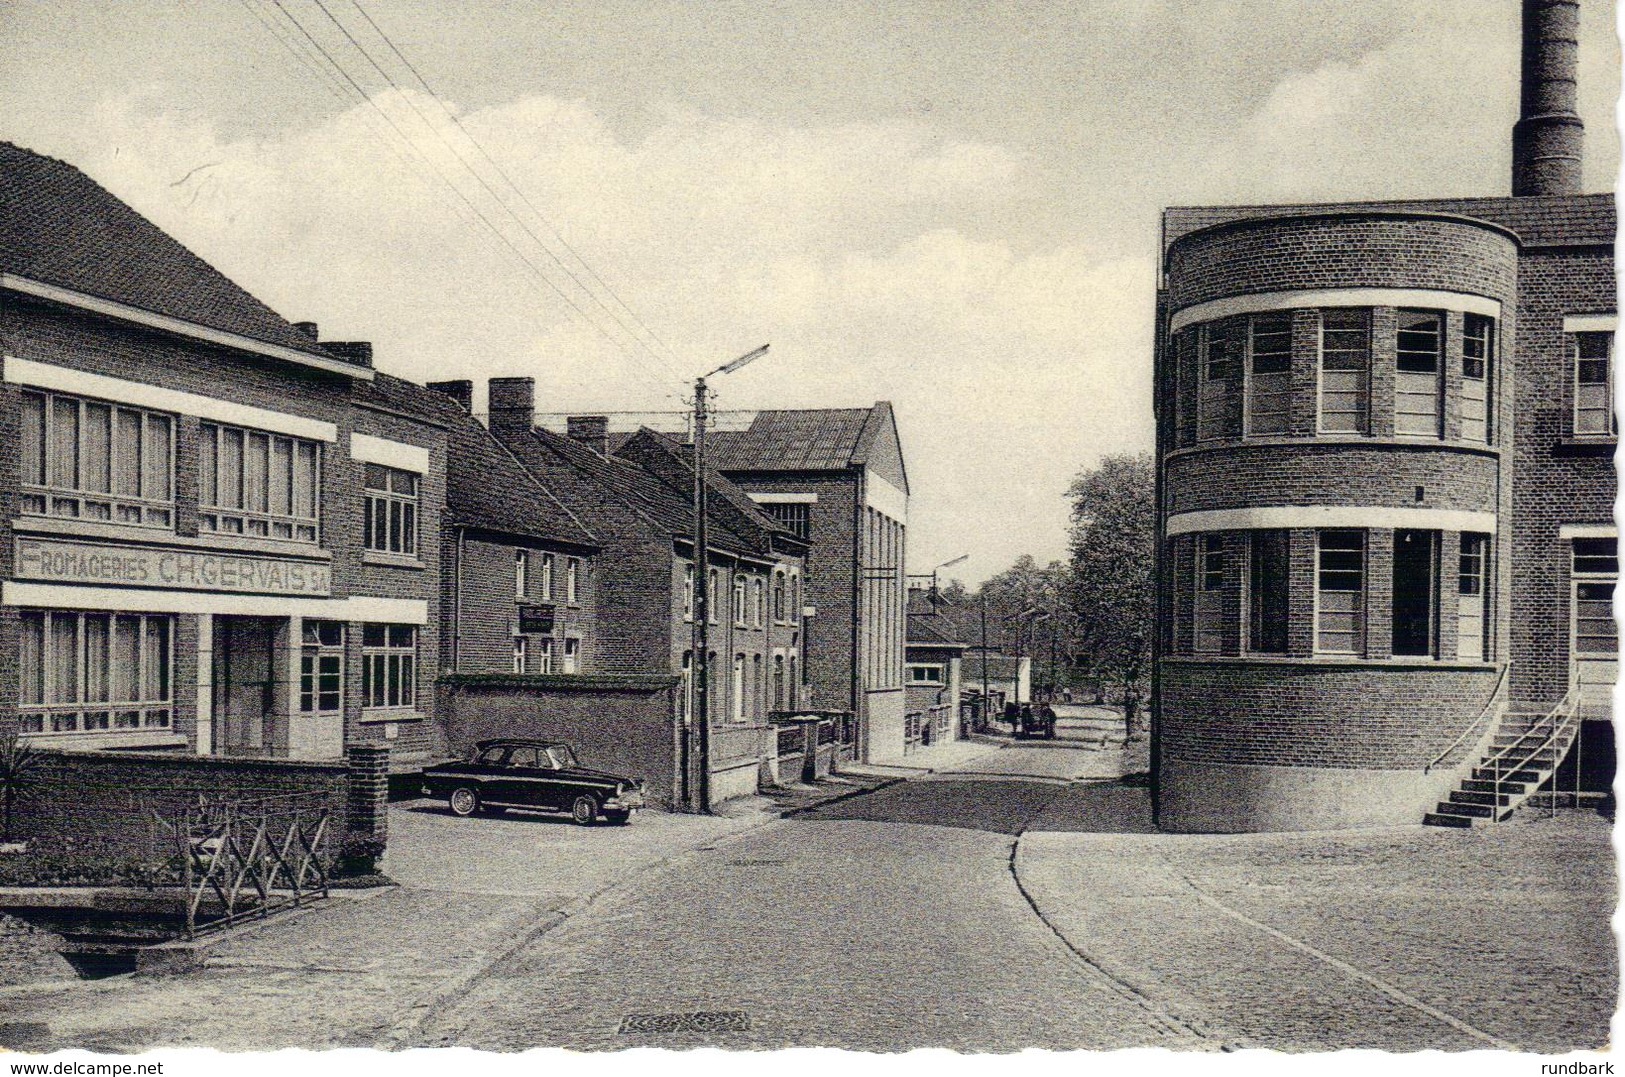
<point x="1035" y="722"/>
<point x="540" y="775"/>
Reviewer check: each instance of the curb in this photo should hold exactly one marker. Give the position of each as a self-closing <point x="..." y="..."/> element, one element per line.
<point x="885" y="783"/>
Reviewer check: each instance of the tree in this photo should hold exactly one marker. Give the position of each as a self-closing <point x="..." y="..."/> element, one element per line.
<point x="1114" y="571"/>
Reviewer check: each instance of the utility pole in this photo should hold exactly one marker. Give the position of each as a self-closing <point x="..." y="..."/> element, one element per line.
<point x="987" y="717"/>
<point x="701" y="662"/>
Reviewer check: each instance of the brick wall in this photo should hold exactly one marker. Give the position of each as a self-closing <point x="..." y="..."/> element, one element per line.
<point x="1319" y="473"/>
<point x="1317" y="714"/>
<point x="489" y="617"/>
<point x="629" y="731"/>
<point x="1342" y="249"/>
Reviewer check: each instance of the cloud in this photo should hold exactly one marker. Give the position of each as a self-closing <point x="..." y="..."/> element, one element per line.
<point x="846" y="246"/>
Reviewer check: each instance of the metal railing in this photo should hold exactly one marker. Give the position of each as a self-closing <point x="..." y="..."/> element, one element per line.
<point x="1554" y="733"/>
<point x="252" y="856"/>
<point x="1494" y="711"/>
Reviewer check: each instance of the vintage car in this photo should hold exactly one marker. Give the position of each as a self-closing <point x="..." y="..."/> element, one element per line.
<point x="540" y="775"/>
<point x="1035" y="722"/>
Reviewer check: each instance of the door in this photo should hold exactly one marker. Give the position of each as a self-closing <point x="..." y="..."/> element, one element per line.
<point x="1415" y="561"/>
<point x="244" y="685"/>
<point x="1593" y="635"/>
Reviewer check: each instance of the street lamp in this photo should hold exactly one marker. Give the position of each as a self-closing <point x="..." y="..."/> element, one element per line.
<point x="700" y="664"/>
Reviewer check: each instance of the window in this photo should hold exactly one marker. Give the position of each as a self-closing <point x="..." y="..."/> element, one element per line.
<point x="95" y="461"/>
<point x="1477" y="377"/>
<point x="685" y="689"/>
<point x="254" y="483"/>
<point x="758" y="603"/>
<point x="389" y="666"/>
<point x="711" y="602"/>
<point x="321" y="668"/>
<point x="796" y="517"/>
<point x="541" y="656"/>
<point x="391" y="519"/>
<point x="521" y="652"/>
<point x="738" y="700"/>
<point x="544" y="586"/>
<point x="795" y="685"/>
<point x="1594" y="651"/>
<point x="778" y="682"/>
<point x="521" y="573"/>
<point x="795" y="598"/>
<point x="1187" y="377"/>
<point x="779" y="597"/>
<point x="740" y="612"/>
<point x="1269" y="373"/>
<point x="572" y="654"/>
<point x="1596" y="557"/>
<point x="688" y="592"/>
<point x="1340" y="594"/>
<point x="1416" y="377"/>
<point x="1472" y="580"/>
<point x="1267" y="573"/>
<point x="1209" y="594"/>
<point x="1345" y="370"/>
<point x="572" y="580"/>
<point x="925" y="674"/>
<point x="1221" y="342"/>
<point x="94" y="672"/>
<point x="1593" y="384"/>
<point x="1416" y="558"/>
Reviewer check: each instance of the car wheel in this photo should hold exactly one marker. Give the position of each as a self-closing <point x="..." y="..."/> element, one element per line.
<point x="463" y="801"/>
<point x="584" y="811"/>
<point x="617" y="818"/>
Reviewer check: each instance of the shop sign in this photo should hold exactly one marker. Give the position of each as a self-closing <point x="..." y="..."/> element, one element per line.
<point x="537" y="619"/>
<point x="66" y="561"/>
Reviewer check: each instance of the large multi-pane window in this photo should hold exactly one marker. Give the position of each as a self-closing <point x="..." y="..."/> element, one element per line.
<point x="389" y="656"/>
<point x="1472" y="590"/>
<point x="1345" y="370"/>
<point x="1220" y="343"/>
<point x="1595" y="641"/>
<point x="94" y="672"/>
<point x="321" y="667"/>
<point x="390" y="522"/>
<point x="1593" y="384"/>
<point x="1415" y="585"/>
<point x="1340" y="592"/>
<point x="795" y="516"/>
<point x="95" y="461"/>
<point x="1269" y="373"/>
<point x="1267" y="580"/>
<point x="1209" y="604"/>
<point x="254" y="483"/>
<point x="1477" y="378"/>
<point x="1416" y="375"/>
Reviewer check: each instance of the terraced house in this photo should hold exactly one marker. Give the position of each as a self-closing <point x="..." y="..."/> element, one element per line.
<point x="1386" y="489"/>
<point x="206" y="546"/>
<point x="638" y="502"/>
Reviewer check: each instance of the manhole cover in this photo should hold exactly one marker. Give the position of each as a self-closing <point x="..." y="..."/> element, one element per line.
<point x="713" y="1021"/>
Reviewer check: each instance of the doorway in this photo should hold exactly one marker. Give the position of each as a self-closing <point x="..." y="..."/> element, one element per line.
<point x="1416" y="558"/>
<point x="245" y="685"/>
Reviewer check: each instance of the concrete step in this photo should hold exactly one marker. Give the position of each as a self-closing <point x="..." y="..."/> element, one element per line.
<point x="1458" y="822"/>
<point x="1460" y="796"/>
<point x="1475" y="811"/>
<point x="1473" y="785"/>
<point x="1525" y="775"/>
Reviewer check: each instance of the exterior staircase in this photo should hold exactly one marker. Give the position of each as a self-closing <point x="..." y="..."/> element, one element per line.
<point x="1523" y="755"/>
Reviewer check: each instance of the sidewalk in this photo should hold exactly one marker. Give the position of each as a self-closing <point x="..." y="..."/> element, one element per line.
<point x="472" y="891"/>
<point x="950" y="755"/>
<point x="1398" y="939"/>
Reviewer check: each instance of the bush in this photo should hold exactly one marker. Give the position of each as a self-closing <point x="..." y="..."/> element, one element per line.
<point x="358" y="857"/>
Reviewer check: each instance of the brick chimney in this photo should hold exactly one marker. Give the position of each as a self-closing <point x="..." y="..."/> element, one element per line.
<point x="358" y="352"/>
<point x="591" y="431"/>
<point x="307" y="328"/>
<point x="512" y="405"/>
<point x="460" y="391"/>
<point x="1548" y="137"/>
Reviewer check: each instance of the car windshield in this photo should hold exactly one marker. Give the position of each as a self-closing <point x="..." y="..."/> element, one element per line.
<point x="562" y="756"/>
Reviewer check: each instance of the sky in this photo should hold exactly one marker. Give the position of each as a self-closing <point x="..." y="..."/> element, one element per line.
<point x="952" y="205"/>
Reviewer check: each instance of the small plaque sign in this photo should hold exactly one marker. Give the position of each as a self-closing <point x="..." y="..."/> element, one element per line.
<point x="69" y="561"/>
<point x="536" y="619"/>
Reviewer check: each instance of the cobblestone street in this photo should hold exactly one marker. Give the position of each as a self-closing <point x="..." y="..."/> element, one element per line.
<point x="1013" y="901"/>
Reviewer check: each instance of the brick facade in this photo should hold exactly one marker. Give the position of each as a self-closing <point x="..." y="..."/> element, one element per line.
<point x="1276" y="720"/>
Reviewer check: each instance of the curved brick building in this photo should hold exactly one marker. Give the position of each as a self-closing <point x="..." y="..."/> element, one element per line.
<point x="1385" y="488"/>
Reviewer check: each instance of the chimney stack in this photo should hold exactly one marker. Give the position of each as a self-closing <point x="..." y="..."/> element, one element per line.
<point x="307" y="328"/>
<point x="462" y="392"/>
<point x="358" y="352"/>
<point x="1547" y="140"/>
<point x="591" y="431"/>
<point x="512" y="405"/>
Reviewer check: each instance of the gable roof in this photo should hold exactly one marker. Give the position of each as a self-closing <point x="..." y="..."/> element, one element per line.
<point x="61" y="228"/>
<point x="486" y="487"/>
<point x="822" y="439"/>
<point x="673" y="463"/>
<point x="927" y="627"/>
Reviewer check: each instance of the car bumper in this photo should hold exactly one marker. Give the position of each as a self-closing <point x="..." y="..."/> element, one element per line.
<point x="624" y="802"/>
